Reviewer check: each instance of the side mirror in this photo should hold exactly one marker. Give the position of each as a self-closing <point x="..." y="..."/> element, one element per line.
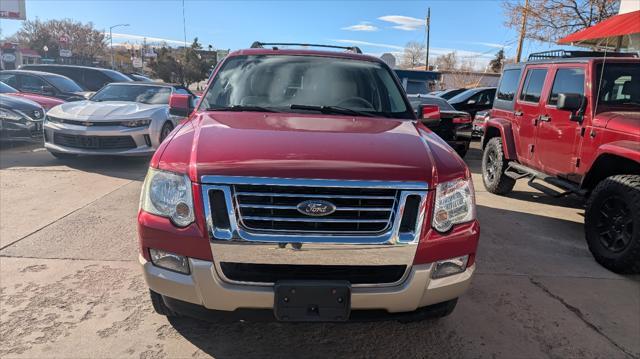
<point x="430" y="115"/>
<point x="569" y="102"/>
<point x="47" y="90"/>
<point x="180" y="105"/>
<point x="572" y="102"/>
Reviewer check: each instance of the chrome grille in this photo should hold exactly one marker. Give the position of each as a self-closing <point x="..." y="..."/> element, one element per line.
<point x="273" y="208"/>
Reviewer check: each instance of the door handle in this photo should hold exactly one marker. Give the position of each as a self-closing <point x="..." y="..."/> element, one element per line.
<point x="544" y="118"/>
<point x="518" y="113"/>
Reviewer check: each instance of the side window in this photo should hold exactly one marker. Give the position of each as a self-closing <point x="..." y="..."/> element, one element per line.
<point x="533" y="85"/>
<point x="31" y="84"/>
<point x="95" y="80"/>
<point x="566" y="81"/>
<point x="509" y="85"/>
<point x="9" y="79"/>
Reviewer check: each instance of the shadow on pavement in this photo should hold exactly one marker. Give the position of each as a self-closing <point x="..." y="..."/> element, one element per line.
<point x="35" y="156"/>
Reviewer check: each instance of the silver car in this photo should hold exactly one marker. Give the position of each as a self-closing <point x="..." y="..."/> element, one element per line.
<point x="129" y="119"/>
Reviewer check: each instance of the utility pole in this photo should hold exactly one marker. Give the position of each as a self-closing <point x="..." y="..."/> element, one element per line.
<point x="428" y="25"/>
<point x="111" y="39"/>
<point x="523" y="29"/>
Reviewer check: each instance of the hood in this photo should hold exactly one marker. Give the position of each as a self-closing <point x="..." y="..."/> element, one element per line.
<point x="18" y="103"/>
<point x="301" y="146"/>
<point x="624" y="121"/>
<point x="44" y="101"/>
<point x="105" y="111"/>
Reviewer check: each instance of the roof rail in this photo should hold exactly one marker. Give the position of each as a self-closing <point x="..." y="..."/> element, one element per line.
<point x="260" y="45"/>
<point x="564" y="54"/>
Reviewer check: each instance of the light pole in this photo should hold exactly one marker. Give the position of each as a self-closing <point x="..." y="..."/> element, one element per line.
<point x="111" y="39"/>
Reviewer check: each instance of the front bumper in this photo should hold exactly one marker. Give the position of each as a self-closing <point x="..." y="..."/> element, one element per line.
<point x="204" y="287"/>
<point x="145" y="141"/>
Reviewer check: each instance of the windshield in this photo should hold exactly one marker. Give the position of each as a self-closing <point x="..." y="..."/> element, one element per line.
<point x="64" y="84"/>
<point x="305" y="83"/>
<point x="154" y="95"/>
<point x="620" y="86"/>
<point x="463" y="96"/>
<point x="4" y="88"/>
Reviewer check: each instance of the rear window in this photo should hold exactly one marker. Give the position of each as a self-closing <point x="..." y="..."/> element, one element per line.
<point x="567" y="81"/>
<point x="619" y="86"/>
<point x="64" y="84"/>
<point x="441" y="103"/>
<point x="533" y="85"/>
<point x="509" y="85"/>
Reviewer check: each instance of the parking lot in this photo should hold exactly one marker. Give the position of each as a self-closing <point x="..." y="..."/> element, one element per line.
<point x="71" y="285"/>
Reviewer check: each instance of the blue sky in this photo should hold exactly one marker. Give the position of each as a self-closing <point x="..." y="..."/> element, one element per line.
<point x="473" y="28"/>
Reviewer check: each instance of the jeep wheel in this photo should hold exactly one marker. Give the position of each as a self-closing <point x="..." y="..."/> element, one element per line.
<point x="159" y="306"/>
<point x="612" y="224"/>
<point x="493" y="167"/>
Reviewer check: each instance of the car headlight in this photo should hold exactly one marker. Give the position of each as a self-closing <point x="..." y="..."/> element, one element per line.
<point x="137" y="123"/>
<point x="455" y="203"/>
<point x="169" y="195"/>
<point x="6" y="114"/>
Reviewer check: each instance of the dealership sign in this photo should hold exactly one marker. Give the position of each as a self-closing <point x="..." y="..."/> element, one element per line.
<point x="8" y="57"/>
<point x="13" y="9"/>
<point x="65" y="53"/>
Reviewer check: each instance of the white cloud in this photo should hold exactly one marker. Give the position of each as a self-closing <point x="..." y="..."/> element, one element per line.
<point x="142" y="38"/>
<point x="366" y="43"/>
<point x="405" y="23"/>
<point x="362" y="26"/>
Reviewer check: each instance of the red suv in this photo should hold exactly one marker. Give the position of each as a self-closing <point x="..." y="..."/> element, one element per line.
<point x="573" y="122"/>
<point x="303" y="188"/>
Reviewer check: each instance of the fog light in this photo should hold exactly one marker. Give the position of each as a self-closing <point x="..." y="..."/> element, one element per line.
<point x="449" y="267"/>
<point x="170" y="261"/>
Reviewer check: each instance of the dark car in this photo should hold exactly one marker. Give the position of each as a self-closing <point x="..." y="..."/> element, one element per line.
<point x="138" y="77"/>
<point x="89" y="78"/>
<point x="454" y="126"/>
<point x="474" y="100"/>
<point x="450" y="93"/>
<point x="43" y="83"/>
<point x="20" y="119"/>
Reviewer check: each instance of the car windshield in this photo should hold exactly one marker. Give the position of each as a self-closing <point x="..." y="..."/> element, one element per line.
<point x="154" y="95"/>
<point x="4" y="88"/>
<point x="306" y="83"/>
<point x="463" y="96"/>
<point x="441" y="103"/>
<point x="620" y="86"/>
<point x="64" y="84"/>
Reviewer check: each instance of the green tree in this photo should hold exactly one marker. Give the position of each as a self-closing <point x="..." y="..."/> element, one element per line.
<point x="496" y="64"/>
<point x="196" y="68"/>
<point x="165" y="66"/>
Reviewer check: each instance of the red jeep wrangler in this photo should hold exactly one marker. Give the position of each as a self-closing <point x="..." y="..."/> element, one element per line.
<point x="302" y="188"/>
<point x="574" y="122"/>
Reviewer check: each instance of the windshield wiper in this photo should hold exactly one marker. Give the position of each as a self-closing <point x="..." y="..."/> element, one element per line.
<point x="330" y="109"/>
<point x="241" y="108"/>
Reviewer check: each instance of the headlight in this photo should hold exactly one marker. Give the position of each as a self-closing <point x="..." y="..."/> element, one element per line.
<point x="137" y="123"/>
<point x="169" y="195"/>
<point x="6" y="114"/>
<point x="455" y="203"/>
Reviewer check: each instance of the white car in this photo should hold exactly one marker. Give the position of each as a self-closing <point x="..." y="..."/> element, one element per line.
<point x="130" y="119"/>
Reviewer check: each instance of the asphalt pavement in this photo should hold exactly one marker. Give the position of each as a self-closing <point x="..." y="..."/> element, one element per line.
<point x="71" y="287"/>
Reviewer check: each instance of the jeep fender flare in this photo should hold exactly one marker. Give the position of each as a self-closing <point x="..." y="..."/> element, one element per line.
<point x="495" y="126"/>
<point x="613" y="158"/>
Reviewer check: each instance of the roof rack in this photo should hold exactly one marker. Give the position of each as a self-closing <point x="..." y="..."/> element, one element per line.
<point x="564" y="54"/>
<point x="260" y="45"/>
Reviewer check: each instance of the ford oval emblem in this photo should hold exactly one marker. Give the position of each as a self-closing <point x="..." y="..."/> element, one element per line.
<point x="316" y="208"/>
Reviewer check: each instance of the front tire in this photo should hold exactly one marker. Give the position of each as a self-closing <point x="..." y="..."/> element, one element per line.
<point x="165" y="131"/>
<point x="493" y="167"/>
<point x="159" y="306"/>
<point x="612" y="223"/>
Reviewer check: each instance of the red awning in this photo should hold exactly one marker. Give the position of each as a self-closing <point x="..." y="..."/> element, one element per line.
<point x="611" y="28"/>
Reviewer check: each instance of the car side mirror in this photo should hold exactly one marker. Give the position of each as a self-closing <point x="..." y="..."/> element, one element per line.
<point x="572" y="102"/>
<point x="180" y="105"/>
<point x="47" y="90"/>
<point x="430" y="115"/>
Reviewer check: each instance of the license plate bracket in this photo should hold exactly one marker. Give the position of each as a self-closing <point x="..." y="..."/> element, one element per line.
<point x="312" y="301"/>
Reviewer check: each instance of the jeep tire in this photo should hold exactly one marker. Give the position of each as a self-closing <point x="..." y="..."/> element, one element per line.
<point x="493" y="167"/>
<point x="159" y="306"/>
<point x="612" y="223"/>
